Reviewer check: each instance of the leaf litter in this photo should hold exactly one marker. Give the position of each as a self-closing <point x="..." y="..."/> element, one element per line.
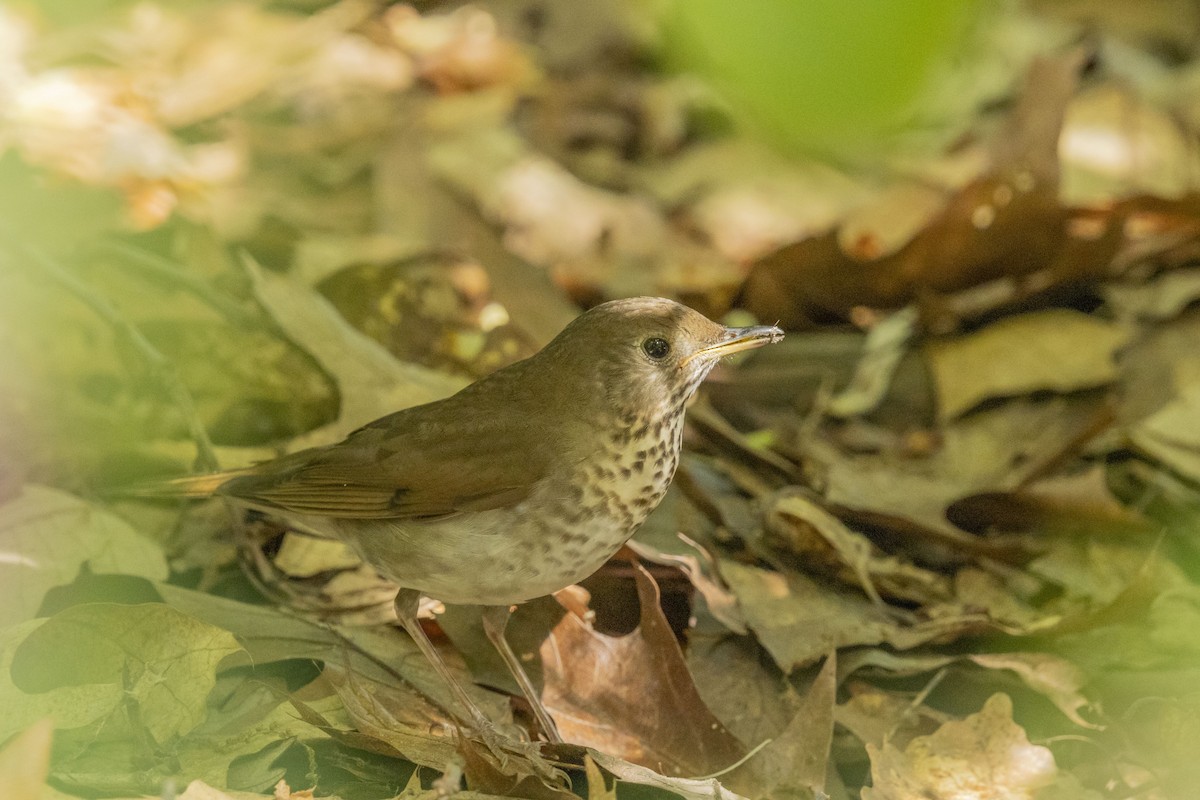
<point x="957" y="560"/>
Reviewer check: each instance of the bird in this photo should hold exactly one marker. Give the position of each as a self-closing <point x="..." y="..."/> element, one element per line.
<point x="519" y="485"/>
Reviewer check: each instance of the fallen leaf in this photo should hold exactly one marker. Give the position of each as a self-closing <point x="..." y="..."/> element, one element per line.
<point x="159" y="658"/>
<point x="798" y="620"/>
<point x="1056" y="678"/>
<point x="795" y="763"/>
<point x="385" y="655"/>
<point x="1171" y="435"/>
<point x="793" y="518"/>
<point x="69" y="706"/>
<point x="1079" y="504"/>
<point x="876" y="717"/>
<point x="985" y="756"/>
<point x="687" y="788"/>
<point x="520" y="774"/>
<point x="391" y="712"/>
<point x="596" y="785"/>
<point x="632" y="695"/>
<point x="1115" y="144"/>
<point x="47" y="535"/>
<point x="1058" y="350"/>
<point x="1159" y="298"/>
<point x="740" y="682"/>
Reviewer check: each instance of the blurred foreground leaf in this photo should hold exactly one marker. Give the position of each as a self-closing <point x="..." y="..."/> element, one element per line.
<point x="46" y="535"/>
<point x="151" y="655"/>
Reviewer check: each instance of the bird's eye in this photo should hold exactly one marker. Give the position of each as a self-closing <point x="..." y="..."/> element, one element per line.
<point x="656" y="348"/>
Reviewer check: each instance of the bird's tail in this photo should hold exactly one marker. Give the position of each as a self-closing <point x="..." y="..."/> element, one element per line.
<point x="191" y="486"/>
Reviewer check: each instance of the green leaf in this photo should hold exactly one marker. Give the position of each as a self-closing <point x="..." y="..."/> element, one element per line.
<point x="161" y="659"/>
<point x="69" y="706"/>
<point x="47" y="534"/>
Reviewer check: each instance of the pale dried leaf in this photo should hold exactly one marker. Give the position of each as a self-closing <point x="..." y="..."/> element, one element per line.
<point x="987" y="756"/>
<point x="1115" y="144"/>
<point x="1058" y="350"/>
<point x="687" y="788"/>
<point x="304" y="556"/>
<point x="1171" y="435"/>
<point x="1056" y="678"/>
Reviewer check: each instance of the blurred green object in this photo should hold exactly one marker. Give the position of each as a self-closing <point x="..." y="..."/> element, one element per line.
<point x="818" y="74"/>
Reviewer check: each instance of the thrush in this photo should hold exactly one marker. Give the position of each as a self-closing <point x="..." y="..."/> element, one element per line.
<point x="517" y="486"/>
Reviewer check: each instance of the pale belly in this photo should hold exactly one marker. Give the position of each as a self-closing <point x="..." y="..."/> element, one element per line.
<point x="555" y="538"/>
<point x="485" y="558"/>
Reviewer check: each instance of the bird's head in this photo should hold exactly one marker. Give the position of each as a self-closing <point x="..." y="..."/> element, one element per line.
<point x="649" y="352"/>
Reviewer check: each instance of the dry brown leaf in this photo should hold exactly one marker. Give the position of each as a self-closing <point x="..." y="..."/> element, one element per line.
<point x="798" y="620"/>
<point x="632" y="695"/>
<point x="1080" y="504"/>
<point x="796" y="761"/>
<point x="877" y="717"/>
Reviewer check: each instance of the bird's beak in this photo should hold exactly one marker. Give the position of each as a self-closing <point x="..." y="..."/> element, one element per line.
<point x="738" y="339"/>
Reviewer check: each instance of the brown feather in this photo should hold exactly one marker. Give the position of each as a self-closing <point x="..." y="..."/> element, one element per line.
<point x="431" y="461"/>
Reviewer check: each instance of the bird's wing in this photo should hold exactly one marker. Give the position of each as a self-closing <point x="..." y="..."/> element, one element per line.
<point x="409" y="465"/>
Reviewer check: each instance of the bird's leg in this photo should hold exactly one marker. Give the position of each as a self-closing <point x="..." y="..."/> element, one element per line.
<point x="407" y="602"/>
<point x="495" y="620"/>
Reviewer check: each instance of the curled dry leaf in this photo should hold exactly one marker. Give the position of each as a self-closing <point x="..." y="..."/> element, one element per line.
<point x="687" y="788"/>
<point x="985" y="756"/>
<point x="699" y="569"/>
<point x="633" y="696"/>
<point x="1056" y="678"/>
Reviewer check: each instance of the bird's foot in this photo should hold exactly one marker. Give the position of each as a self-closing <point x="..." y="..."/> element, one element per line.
<point x="501" y="764"/>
